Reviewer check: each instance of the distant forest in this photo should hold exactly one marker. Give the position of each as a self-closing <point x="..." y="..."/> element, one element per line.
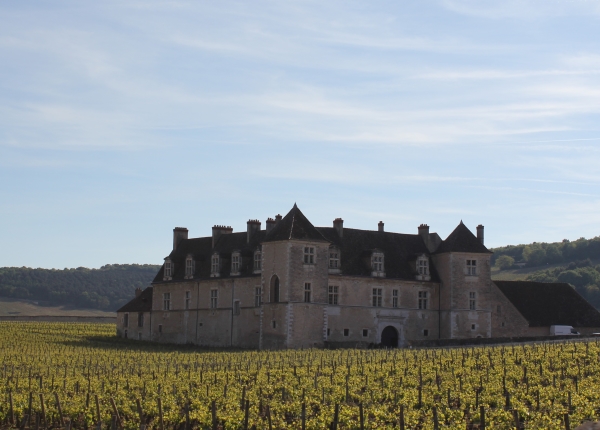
<point x="107" y="288"/>
<point x="573" y="262"/>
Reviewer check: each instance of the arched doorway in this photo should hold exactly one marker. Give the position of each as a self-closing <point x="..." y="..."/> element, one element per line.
<point x="389" y="337"/>
<point x="274" y="290"/>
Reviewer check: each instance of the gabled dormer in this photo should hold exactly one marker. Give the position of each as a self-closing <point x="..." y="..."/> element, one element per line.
<point x="169" y="269"/>
<point x="257" y="261"/>
<point x="215" y="265"/>
<point x="236" y="263"/>
<point x="378" y="263"/>
<point x="190" y="267"/>
<point x="422" y="268"/>
<point x="335" y="265"/>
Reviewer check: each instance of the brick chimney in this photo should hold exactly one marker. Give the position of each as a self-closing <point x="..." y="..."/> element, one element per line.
<point x="338" y="225"/>
<point x="218" y="230"/>
<point x="252" y="226"/>
<point x="277" y="219"/>
<point x="179" y="234"/>
<point x="380" y="226"/>
<point x="270" y="224"/>
<point x="480" y="233"/>
<point x="138" y="291"/>
<point x="424" y="232"/>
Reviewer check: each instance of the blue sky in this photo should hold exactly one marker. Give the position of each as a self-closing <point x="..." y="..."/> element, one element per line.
<point x="120" y="120"/>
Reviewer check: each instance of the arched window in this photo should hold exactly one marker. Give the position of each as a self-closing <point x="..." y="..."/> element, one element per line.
<point x="274" y="296"/>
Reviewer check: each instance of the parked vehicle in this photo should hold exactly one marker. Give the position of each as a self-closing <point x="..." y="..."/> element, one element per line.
<point x="563" y="330"/>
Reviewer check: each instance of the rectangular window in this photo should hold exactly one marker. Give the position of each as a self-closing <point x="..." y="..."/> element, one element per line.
<point x="188" y="299"/>
<point x="425" y="332"/>
<point x="166" y="301"/>
<point x="394" y="298"/>
<point x="472" y="301"/>
<point x="377" y="262"/>
<point x="309" y="255"/>
<point x="334" y="260"/>
<point x="126" y="320"/>
<point x="346" y="332"/>
<point x="471" y="267"/>
<point x="257" y="296"/>
<point x="236" y="307"/>
<point x="422" y="299"/>
<point x="423" y="267"/>
<point x="214" y="268"/>
<point x="214" y="295"/>
<point x="274" y="324"/>
<point x="189" y="267"/>
<point x="257" y="261"/>
<point x="333" y="294"/>
<point x="168" y="269"/>
<point x="365" y="332"/>
<point x="307" y="288"/>
<point x="235" y="264"/>
<point x="377" y="297"/>
<point x="160" y="328"/>
<point x="140" y="319"/>
<point x="328" y="332"/>
<point x="473" y="326"/>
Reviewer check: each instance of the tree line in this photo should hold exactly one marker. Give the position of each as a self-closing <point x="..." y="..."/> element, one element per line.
<point x="573" y="262"/>
<point x="106" y="288"/>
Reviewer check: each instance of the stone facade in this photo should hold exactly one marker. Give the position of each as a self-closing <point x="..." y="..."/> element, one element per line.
<point x="298" y="286"/>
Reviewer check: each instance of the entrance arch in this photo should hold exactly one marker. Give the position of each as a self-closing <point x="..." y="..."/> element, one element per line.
<point x="274" y="290"/>
<point x="389" y="337"/>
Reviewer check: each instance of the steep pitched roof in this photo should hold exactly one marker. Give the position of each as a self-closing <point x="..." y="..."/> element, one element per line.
<point x="400" y="252"/>
<point x="545" y="304"/>
<point x="141" y="303"/>
<point x="294" y="226"/>
<point x="201" y="249"/>
<point x="462" y="240"/>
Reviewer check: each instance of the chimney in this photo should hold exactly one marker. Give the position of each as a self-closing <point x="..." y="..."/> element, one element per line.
<point x="270" y="224"/>
<point x="424" y="232"/>
<point x="217" y="231"/>
<point x="253" y="225"/>
<point x="338" y="225"/>
<point x="277" y="219"/>
<point x="380" y="226"/>
<point x="480" y="233"/>
<point x="138" y="291"/>
<point x="179" y="234"/>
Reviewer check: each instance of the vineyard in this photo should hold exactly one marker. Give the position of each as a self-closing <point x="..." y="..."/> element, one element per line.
<point x="81" y="376"/>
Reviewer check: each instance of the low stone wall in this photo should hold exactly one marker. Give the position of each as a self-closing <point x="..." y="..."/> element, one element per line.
<point x="61" y="318"/>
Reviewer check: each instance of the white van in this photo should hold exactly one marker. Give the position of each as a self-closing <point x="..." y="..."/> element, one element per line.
<point x="563" y="330"/>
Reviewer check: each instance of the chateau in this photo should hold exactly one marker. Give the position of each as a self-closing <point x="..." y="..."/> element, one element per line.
<point x="294" y="285"/>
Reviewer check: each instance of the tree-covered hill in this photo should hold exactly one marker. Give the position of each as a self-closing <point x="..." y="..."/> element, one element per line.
<point x="106" y="288"/>
<point x="573" y="262"/>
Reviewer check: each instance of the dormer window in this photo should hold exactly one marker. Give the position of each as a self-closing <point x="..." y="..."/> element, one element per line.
<point x="190" y="267"/>
<point x="168" y="275"/>
<point x="215" y="266"/>
<point x="334" y="260"/>
<point x="377" y="264"/>
<point x="257" y="261"/>
<point x="236" y="263"/>
<point x="423" y="268"/>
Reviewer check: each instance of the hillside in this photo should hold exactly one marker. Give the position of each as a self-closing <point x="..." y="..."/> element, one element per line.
<point x="576" y="263"/>
<point x="106" y="288"/>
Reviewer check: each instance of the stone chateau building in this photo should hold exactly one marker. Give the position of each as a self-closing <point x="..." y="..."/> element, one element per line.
<point x="294" y="285"/>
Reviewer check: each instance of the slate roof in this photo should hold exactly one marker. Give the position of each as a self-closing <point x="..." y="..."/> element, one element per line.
<point x="545" y="304"/>
<point x="141" y="303"/>
<point x="400" y="252"/>
<point x="201" y="250"/>
<point x="462" y="240"/>
<point x="294" y="226"/>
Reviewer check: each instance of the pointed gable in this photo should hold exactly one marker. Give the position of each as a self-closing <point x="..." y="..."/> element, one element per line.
<point x="462" y="240"/>
<point x="294" y="226"/>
